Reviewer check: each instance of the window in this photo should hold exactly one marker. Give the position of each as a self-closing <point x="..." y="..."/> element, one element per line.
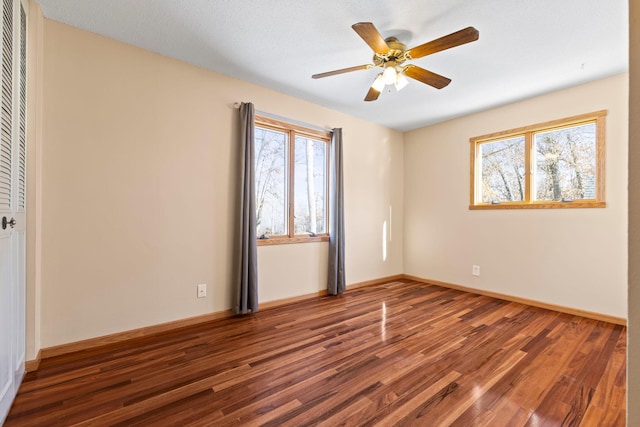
<point x="292" y="170"/>
<point x="558" y="164"/>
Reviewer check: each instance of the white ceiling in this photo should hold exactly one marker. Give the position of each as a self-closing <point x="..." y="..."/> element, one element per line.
<point x="526" y="47"/>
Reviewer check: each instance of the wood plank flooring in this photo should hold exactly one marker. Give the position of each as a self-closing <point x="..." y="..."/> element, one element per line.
<point x="400" y="353"/>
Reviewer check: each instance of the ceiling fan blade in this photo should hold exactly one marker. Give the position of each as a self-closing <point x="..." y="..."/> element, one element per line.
<point x="341" y="71"/>
<point x="371" y="36"/>
<point x="372" y="95"/>
<point x="426" y="76"/>
<point x="458" y="38"/>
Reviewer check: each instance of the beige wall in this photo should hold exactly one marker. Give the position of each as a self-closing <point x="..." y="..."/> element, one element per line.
<point x="139" y="190"/>
<point x="570" y="257"/>
<point x="633" y="354"/>
<point x="34" y="178"/>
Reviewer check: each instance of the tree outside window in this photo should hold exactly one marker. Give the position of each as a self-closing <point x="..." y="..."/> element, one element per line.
<point x="503" y="170"/>
<point x="565" y="162"/>
<point x="271" y="183"/>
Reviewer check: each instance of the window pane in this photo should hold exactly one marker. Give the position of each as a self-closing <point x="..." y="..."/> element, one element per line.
<point x="502" y="168"/>
<point x="271" y="183"/>
<point x="310" y="186"/>
<point x="565" y="163"/>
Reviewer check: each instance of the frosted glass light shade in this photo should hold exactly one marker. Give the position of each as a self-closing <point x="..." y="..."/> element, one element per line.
<point x="378" y="83"/>
<point x="401" y="81"/>
<point x="389" y="75"/>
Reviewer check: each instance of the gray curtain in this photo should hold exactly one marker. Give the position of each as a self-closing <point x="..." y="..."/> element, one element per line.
<point x="336" y="283"/>
<point x="247" y="289"/>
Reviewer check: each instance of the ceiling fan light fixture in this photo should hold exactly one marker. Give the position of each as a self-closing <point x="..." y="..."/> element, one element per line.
<point x="401" y="81"/>
<point x="390" y="73"/>
<point x="390" y="55"/>
<point x="379" y="83"/>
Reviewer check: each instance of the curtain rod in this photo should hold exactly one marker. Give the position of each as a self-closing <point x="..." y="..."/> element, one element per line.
<point x="236" y="105"/>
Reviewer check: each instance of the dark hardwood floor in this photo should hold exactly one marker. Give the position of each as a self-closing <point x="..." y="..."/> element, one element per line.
<point x="400" y="353"/>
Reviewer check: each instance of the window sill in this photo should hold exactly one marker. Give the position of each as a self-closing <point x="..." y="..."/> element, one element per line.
<point x="540" y="205"/>
<point x="291" y="240"/>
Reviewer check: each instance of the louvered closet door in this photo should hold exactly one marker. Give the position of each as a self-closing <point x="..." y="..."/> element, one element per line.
<point x="13" y="175"/>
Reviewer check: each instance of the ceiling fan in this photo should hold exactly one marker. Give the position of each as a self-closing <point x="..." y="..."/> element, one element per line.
<point x="390" y="54"/>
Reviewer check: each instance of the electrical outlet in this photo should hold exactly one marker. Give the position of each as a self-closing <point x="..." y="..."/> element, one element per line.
<point x="202" y="291"/>
<point x="475" y="270"/>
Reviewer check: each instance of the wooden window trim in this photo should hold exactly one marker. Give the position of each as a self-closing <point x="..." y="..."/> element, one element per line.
<point x="285" y="240"/>
<point x="599" y="117"/>
<point x="293" y="130"/>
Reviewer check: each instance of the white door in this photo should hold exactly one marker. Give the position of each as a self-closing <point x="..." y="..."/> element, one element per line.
<point x="12" y="200"/>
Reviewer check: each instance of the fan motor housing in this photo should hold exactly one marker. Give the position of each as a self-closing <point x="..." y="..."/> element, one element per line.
<point x="396" y="52"/>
